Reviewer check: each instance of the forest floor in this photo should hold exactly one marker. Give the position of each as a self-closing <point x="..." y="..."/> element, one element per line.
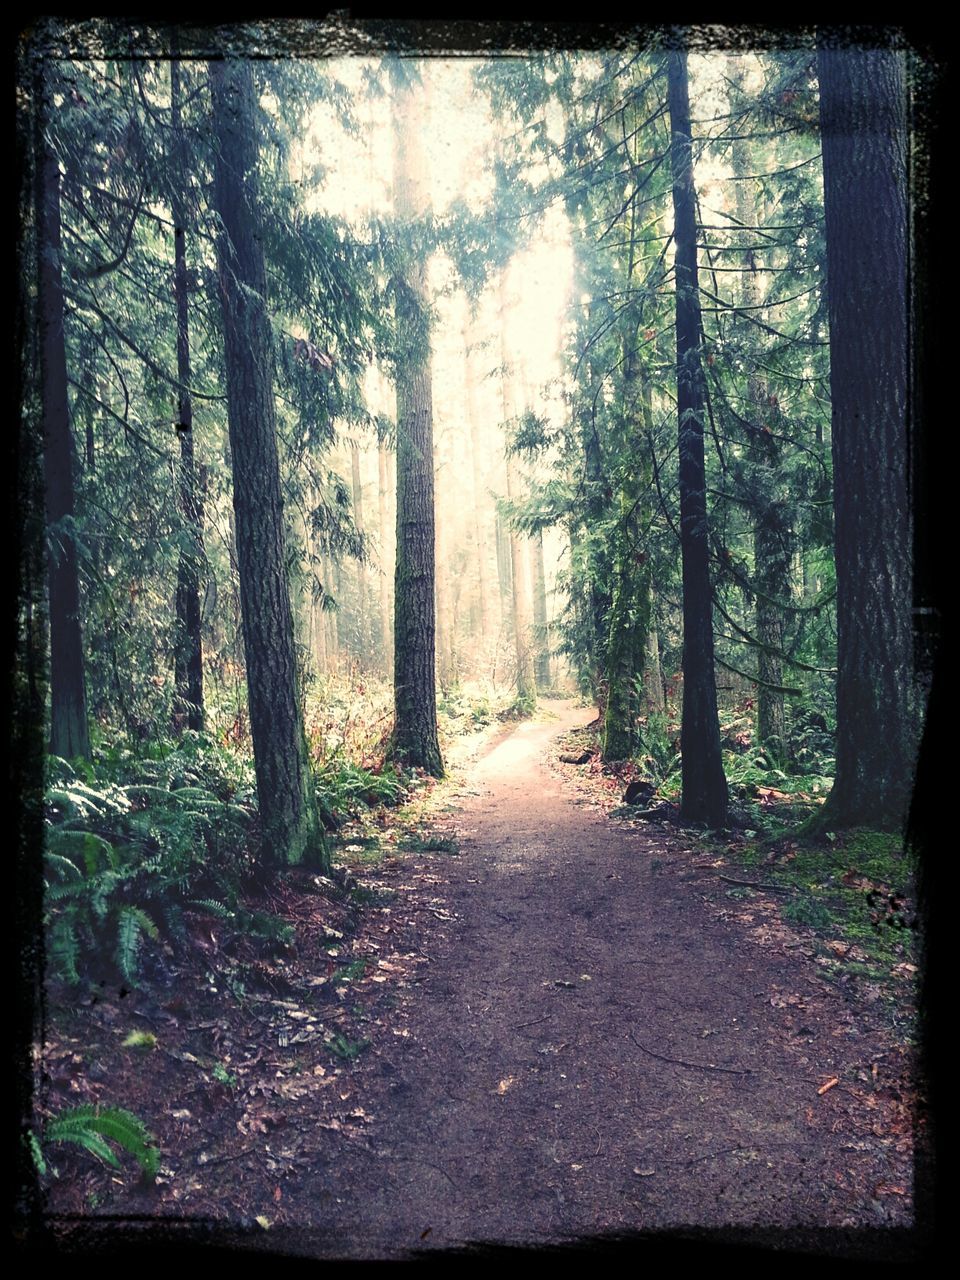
<point x="541" y="1025"/>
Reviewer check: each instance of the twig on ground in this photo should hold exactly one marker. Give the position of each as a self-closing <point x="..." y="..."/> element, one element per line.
<point x="756" y="884"/>
<point x="532" y="1023"/>
<point x="697" y="1066"/>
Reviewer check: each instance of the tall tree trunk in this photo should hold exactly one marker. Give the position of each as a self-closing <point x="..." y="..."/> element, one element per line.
<point x="363" y="638"/>
<point x="386" y="632"/>
<point x="69" y="729"/>
<point x="652" y="674"/>
<point x="473" y="420"/>
<point x="188" y="660"/>
<point x="540" y="614"/>
<point x="446" y="644"/>
<point x="522" y="607"/>
<point x="704" y="787"/>
<point x="771" y="534"/>
<point x="415" y="738"/>
<point x="863" y="126"/>
<point x="288" y="810"/>
<point x="331" y="617"/>
<point x="629" y="614"/>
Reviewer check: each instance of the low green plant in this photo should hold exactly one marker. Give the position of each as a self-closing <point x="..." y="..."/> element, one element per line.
<point x="345" y="1048"/>
<point x="93" y="1127"/>
<point x="657" y="751"/>
<point x="349" y="972"/>
<point x="806" y="911"/>
<point x="429" y="844"/>
<point x="223" y="1076"/>
<point x="122" y="859"/>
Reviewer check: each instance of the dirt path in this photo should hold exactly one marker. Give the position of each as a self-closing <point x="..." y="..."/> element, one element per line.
<point x="592" y="1048"/>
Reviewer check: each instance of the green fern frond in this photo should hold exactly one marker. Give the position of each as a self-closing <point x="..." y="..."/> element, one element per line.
<point x="63" y="866"/>
<point x="64" y="949"/>
<point x="36" y="1152"/>
<point x="213" y="907"/>
<point x="63" y="767"/>
<point x="131" y="922"/>
<point x="89" y="1126"/>
<point x="92" y="848"/>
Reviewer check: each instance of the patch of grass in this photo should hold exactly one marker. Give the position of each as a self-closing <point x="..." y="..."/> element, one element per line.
<point x="806" y="911"/>
<point x="428" y="844"/>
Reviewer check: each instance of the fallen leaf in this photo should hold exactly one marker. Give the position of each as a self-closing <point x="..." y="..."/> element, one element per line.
<point x="505" y="1084"/>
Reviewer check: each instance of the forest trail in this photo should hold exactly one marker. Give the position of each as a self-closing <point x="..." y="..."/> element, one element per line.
<point x="521" y="1107"/>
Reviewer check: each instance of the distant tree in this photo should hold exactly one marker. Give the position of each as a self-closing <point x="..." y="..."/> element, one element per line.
<point x="287" y="801"/>
<point x="864" y="132"/>
<point x="415" y="739"/>
<point x="704" y="787"/>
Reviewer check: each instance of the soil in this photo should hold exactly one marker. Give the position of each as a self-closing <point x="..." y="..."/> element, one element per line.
<point x="573" y="1032"/>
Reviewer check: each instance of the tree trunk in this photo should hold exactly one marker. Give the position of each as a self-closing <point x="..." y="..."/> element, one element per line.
<point x="771" y="532"/>
<point x="188" y="660"/>
<point x="652" y="675"/>
<point x="69" y="729"/>
<point x="483" y="578"/>
<point x="540" y="615"/>
<point x="704" y="787"/>
<point x="290" y="823"/>
<point x="363" y="639"/>
<point x="386" y="632"/>
<point x="863" y="126"/>
<point x="415" y="738"/>
<point x="522" y="606"/>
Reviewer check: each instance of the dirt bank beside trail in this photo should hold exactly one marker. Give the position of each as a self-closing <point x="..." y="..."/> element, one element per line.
<point x="593" y="1048"/>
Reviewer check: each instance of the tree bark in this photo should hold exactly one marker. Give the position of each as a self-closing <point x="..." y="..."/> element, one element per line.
<point x="386" y="631"/>
<point x="188" y="659"/>
<point x="541" y="631"/>
<point x="290" y="823"/>
<point x="415" y="738"/>
<point x="771" y="531"/>
<point x="863" y="126"/>
<point x="521" y="602"/>
<point x="704" y="787"/>
<point x="363" y="638"/>
<point x="483" y="576"/>
<point x="69" y="728"/>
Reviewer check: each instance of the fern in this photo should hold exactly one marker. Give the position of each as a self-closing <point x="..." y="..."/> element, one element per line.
<point x="131" y="923"/>
<point x="64" y="949"/>
<point x="89" y="1126"/>
<point x="84" y="844"/>
<point x="213" y="907"/>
